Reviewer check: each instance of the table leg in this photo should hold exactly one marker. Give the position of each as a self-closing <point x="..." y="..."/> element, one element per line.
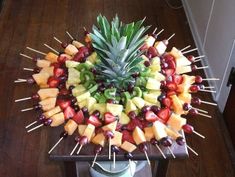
<point x="70" y="169"/>
<point x="162" y="166"/>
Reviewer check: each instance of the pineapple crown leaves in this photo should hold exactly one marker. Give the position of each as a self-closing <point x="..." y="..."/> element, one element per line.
<point x="117" y="45"/>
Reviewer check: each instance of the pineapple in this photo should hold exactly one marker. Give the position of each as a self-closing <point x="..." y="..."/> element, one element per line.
<point x="130" y="106"/>
<point x="116" y="45"/>
<point x="153" y="84"/>
<point x="115" y="109"/>
<point x="124" y="119"/>
<point x="139" y="102"/>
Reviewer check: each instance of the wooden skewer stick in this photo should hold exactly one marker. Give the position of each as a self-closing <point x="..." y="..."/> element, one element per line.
<point x="93" y="163"/>
<point x="109" y="148"/>
<point x="147" y="158"/>
<point x="173" y="155"/>
<point x="160" y="32"/>
<point x="27" y="109"/>
<point x="211" y="79"/>
<point x="191" y="50"/>
<point x="210" y="103"/>
<point x="28" y="69"/>
<point x="200" y="135"/>
<point x="37" y="51"/>
<point x="23" y="99"/>
<point x="210" y="91"/>
<point x="57" y="40"/>
<point x="26" y="56"/>
<point x="193" y="151"/>
<point x="20" y="81"/>
<point x="155" y="29"/>
<point x="79" y="149"/>
<point x="171" y="36"/>
<point x="201" y="110"/>
<point x="69" y="35"/>
<point x="35" y="128"/>
<point x="114" y="159"/>
<point x="202" y="67"/>
<point x="75" y="147"/>
<point x="185" y="48"/>
<point x="31" y="124"/>
<point x="54" y="50"/>
<point x="56" y="144"/>
<point x="204" y="115"/>
<point x="197" y="60"/>
<point x="159" y="149"/>
<point x="209" y="87"/>
<point x="131" y="170"/>
<point x="201" y="56"/>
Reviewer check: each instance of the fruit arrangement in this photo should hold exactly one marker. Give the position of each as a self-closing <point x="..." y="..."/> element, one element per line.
<point x="120" y="90"/>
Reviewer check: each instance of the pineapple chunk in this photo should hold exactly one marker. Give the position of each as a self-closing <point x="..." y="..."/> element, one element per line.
<point x="127" y="146"/>
<point x="71" y="64"/>
<point x="124" y="119"/>
<point x="111" y="126"/>
<point x="148" y="133"/>
<point x="130" y="106"/>
<point x="182" y="61"/>
<point x="153" y="84"/>
<point x="159" y="130"/>
<point x="160" y="46"/>
<point x="185" y="97"/>
<point x="77" y="44"/>
<point x="51" y="57"/>
<point x="48" y="104"/>
<point x="90" y="102"/>
<point x="155" y="61"/>
<point x="150" y="41"/>
<point x="41" y="78"/>
<point x="70" y="126"/>
<point x="117" y="139"/>
<point x="57" y="119"/>
<point x="81" y="129"/>
<point x="48" y="93"/>
<point x="89" y="131"/>
<point x="138" y="136"/>
<point x="172" y="133"/>
<point x="43" y="63"/>
<point x="71" y="50"/>
<point x="139" y="102"/>
<point x="176" y="122"/>
<point x="100" y="107"/>
<point x="74" y="76"/>
<point x="83" y="103"/>
<point x="144" y="58"/>
<point x="92" y="58"/>
<point x="158" y="76"/>
<point x="177" y="105"/>
<point x="52" y="112"/>
<point x="83" y="96"/>
<point x="183" y="69"/>
<point x="151" y="97"/>
<point x="99" y="139"/>
<point x="155" y="67"/>
<point x="78" y="90"/>
<point x="115" y="109"/>
<point x="176" y="53"/>
<point x="49" y="70"/>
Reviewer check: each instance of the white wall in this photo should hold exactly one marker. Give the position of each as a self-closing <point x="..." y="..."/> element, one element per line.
<point x="213" y="26"/>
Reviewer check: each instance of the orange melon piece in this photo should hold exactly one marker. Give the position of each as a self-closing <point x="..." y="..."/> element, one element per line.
<point x="48" y="93"/>
<point x="57" y="119"/>
<point x="138" y="136"/>
<point x="177" y="105"/>
<point x="43" y="63"/>
<point x="81" y="129"/>
<point x="185" y="97"/>
<point x="176" y="122"/>
<point x="41" y="78"/>
<point x="51" y="57"/>
<point x="172" y="133"/>
<point x="70" y="50"/>
<point x="99" y="139"/>
<point x="52" y="112"/>
<point x="127" y="146"/>
<point x="111" y="127"/>
<point x="48" y="104"/>
<point x="49" y="70"/>
<point x="117" y="139"/>
<point x="70" y="126"/>
<point x="148" y="133"/>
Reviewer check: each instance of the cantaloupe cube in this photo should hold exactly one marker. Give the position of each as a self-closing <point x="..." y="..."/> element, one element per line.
<point x="177" y="105"/>
<point x="127" y="146"/>
<point x="138" y="136"/>
<point x="81" y="129"/>
<point x="130" y="106"/>
<point x="49" y="70"/>
<point x="172" y="133"/>
<point x="99" y="139"/>
<point x="110" y="127"/>
<point x="48" y="104"/>
<point x="51" y="57"/>
<point x="48" y="93"/>
<point x="115" y="109"/>
<point x="77" y="44"/>
<point x="148" y="133"/>
<point x="70" y="126"/>
<point x="41" y="78"/>
<point x="88" y="132"/>
<point x="124" y="119"/>
<point x="139" y="102"/>
<point x="57" y="119"/>
<point x="71" y="50"/>
<point x="43" y="63"/>
<point x="52" y="112"/>
<point x="185" y="97"/>
<point x="117" y="139"/>
<point x="159" y="130"/>
<point x="176" y="122"/>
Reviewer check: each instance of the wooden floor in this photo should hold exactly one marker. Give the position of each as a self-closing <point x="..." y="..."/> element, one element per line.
<point x="32" y="23"/>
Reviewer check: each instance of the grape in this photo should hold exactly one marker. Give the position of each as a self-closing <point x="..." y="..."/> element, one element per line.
<point x="48" y="122"/>
<point x="154" y="142"/>
<point x="193" y="112"/>
<point x="37" y="106"/>
<point x="166" y="141"/>
<point x="96" y="113"/>
<point x="115" y="149"/>
<point x="83" y="140"/>
<point x="128" y="155"/>
<point x="132" y="114"/>
<point x="108" y="134"/>
<point x="180" y="140"/>
<point x="143" y="147"/>
<point x="35" y="96"/>
<point x="188" y="128"/>
<point x="30" y="80"/>
<point x="98" y="149"/>
<point x="145" y="109"/>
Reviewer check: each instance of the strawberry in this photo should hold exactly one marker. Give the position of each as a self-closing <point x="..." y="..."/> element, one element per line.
<point x="64" y="91"/>
<point x="79" y="117"/>
<point x="167" y="102"/>
<point x="177" y="79"/>
<point x="63" y="104"/>
<point x="170" y="93"/>
<point x="164" y="115"/>
<point x="171" y="86"/>
<point x="53" y="82"/>
<point x="133" y="123"/>
<point x="153" y="51"/>
<point x="58" y="72"/>
<point x="150" y="116"/>
<point x="109" y="118"/>
<point x="78" y="56"/>
<point x="69" y="112"/>
<point x="127" y="136"/>
<point x="56" y="65"/>
<point x="169" y="72"/>
<point x="62" y="58"/>
<point x="94" y="121"/>
<point x="119" y="127"/>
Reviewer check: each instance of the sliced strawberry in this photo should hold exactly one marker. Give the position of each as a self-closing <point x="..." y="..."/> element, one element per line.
<point x="94" y="121"/>
<point x="58" y="72"/>
<point x="169" y="72"/>
<point x="150" y="116"/>
<point x="63" y="104"/>
<point x="133" y="123"/>
<point x="53" y="82"/>
<point x="109" y="118"/>
<point x="164" y="115"/>
<point x="78" y="56"/>
<point x="167" y="102"/>
<point x="79" y="117"/>
<point x="127" y="136"/>
<point x="153" y="51"/>
<point x="171" y="86"/>
<point x="56" y="64"/>
<point x="62" y="58"/>
<point x="177" y="79"/>
<point x="170" y="93"/>
<point x="119" y="127"/>
<point x="69" y="112"/>
<point x="64" y="91"/>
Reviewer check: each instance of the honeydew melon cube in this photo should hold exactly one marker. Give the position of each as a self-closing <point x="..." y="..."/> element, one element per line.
<point x="124" y="119"/>
<point x="71" y="64"/>
<point x="74" y="76"/>
<point x="78" y="90"/>
<point x="83" y="96"/>
<point x="130" y="106"/>
<point x="90" y="102"/>
<point x="153" y="84"/>
<point x="115" y="109"/>
<point x="139" y="102"/>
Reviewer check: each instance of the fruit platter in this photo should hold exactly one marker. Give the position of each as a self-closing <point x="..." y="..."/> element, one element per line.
<point x="120" y="91"/>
